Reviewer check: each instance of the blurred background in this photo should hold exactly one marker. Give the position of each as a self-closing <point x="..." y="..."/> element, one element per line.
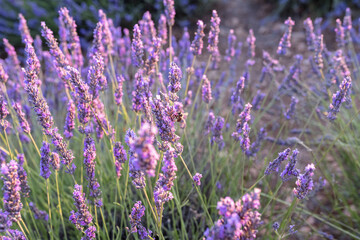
<point x="248" y="13"/>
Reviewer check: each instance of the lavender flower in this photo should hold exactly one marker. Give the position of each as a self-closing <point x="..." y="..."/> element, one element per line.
<point x="197" y="178"/>
<point x="245" y="140"/>
<point x="14" y="60"/>
<point x="175" y="76"/>
<point x="319" y="48"/>
<point x="213" y="39"/>
<point x="4" y="112"/>
<point x="239" y="220"/>
<point x="256" y="102"/>
<point x="197" y="43"/>
<point x="217" y="132"/>
<point x="285" y="41"/>
<point x="24" y="30"/>
<point x="347" y="25"/>
<point x="90" y="233"/>
<point x="206" y="90"/>
<point x="276" y="226"/>
<point x="137" y="48"/>
<point x="339" y="98"/>
<point x="339" y="31"/>
<point x="274" y="166"/>
<point x="119" y="90"/>
<point x="291" y="111"/>
<point x="15" y="234"/>
<point x="60" y="59"/>
<point x="304" y="182"/>
<point x="95" y="78"/>
<point x="98" y="47"/>
<point x="170" y="11"/>
<point x="138" y="176"/>
<point x="107" y="36"/>
<point x="145" y="155"/>
<point x="38" y="214"/>
<point x="89" y="163"/>
<point x="55" y="161"/>
<point x="230" y="51"/>
<point x="4" y="77"/>
<point x="236" y="95"/>
<point x="82" y="217"/>
<point x="244" y="117"/>
<point x="310" y="35"/>
<point x="11" y="190"/>
<point x="82" y="92"/>
<point x="162" y="29"/>
<point x="251" y="44"/>
<point x="45" y="160"/>
<point x="163" y="121"/>
<point x="290" y="170"/>
<point x="120" y="157"/>
<point x="61" y="148"/>
<point x="41" y="107"/>
<point x="73" y="37"/>
<point x="69" y="125"/>
<point x="209" y="124"/>
<point x="21" y="117"/>
<point x="25" y="189"/>
<point x="137" y="212"/>
<point x="255" y="146"/>
<point x="153" y="58"/>
<point x="5" y="222"/>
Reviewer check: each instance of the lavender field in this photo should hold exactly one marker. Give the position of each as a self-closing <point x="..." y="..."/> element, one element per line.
<point x="165" y="132"/>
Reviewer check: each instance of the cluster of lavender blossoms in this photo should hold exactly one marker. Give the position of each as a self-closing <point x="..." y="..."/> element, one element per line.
<point x="238" y="220"/>
<point x="137" y="212"/>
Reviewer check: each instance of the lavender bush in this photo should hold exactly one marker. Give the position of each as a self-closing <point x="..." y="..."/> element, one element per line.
<point x="146" y="136"/>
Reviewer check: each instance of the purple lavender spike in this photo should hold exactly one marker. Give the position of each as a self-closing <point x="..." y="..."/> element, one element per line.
<point x="162" y="29"/>
<point x="11" y="190"/>
<point x="95" y="78"/>
<point x="82" y="217"/>
<point x="310" y="35"/>
<point x="347" y="25"/>
<point x="107" y="38"/>
<point x="60" y="59"/>
<point x="41" y="107"/>
<point x="62" y="149"/>
<point x="89" y="163"/>
<point x="258" y="98"/>
<point x="291" y="111"/>
<point x="97" y="46"/>
<point x="169" y="12"/>
<point x="339" y="97"/>
<point x="137" y="48"/>
<point x="120" y="157"/>
<point x="45" y="160"/>
<point x="175" y="76"/>
<point x="4" y="77"/>
<point x="73" y="37"/>
<point x="217" y="132"/>
<point x="148" y="30"/>
<point x="137" y="212"/>
<point x="304" y="182"/>
<point x="255" y="146"/>
<point x="22" y="118"/>
<point x="251" y="44"/>
<point x="319" y="48"/>
<point x="230" y="51"/>
<point x="82" y="91"/>
<point x="4" y="112"/>
<point x="206" y="90"/>
<point x="38" y="214"/>
<point x="24" y="30"/>
<point x="285" y="41"/>
<point x="5" y="222"/>
<point x="69" y="125"/>
<point x="197" y="43"/>
<point x="245" y="139"/>
<point x="153" y="58"/>
<point x="197" y="178"/>
<point x="119" y="90"/>
<point x="145" y="156"/>
<point x="340" y="36"/>
<point x="209" y="123"/>
<point x="239" y="220"/>
<point x="290" y="169"/>
<point x="244" y="117"/>
<point x="55" y="161"/>
<point x="274" y="166"/>
<point x="25" y="189"/>
<point x="213" y="39"/>
<point x="90" y="233"/>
